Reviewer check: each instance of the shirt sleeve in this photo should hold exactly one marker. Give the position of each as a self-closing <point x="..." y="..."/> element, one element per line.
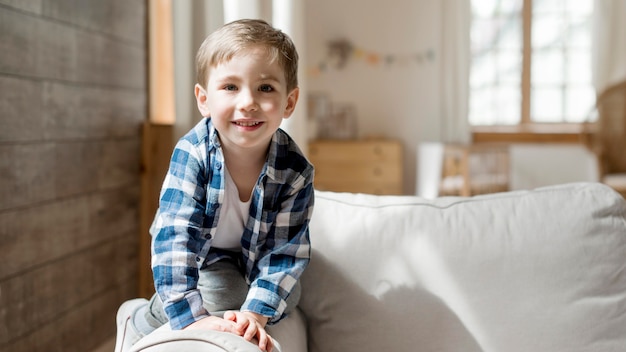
<point x="178" y="237"/>
<point x="286" y="253"/>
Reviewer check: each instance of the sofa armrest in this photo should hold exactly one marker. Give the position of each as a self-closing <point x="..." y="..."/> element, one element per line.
<point x="289" y="334"/>
<point x="165" y="340"/>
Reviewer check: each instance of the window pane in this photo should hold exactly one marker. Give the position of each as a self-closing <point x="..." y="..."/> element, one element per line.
<point x="547" y="104"/>
<point x="547" y="67"/>
<point x="484" y="8"/>
<point x="505" y="33"/>
<point x="481" y="111"/>
<point x="579" y="102"/>
<point x="483" y="74"/>
<point x="547" y="32"/>
<point x="578" y="67"/>
<point x="560" y="58"/>
<point x="507" y="105"/>
<point x="579" y="33"/>
<point x="579" y="8"/>
<point x="510" y="34"/>
<point x="501" y="67"/>
<point x="542" y="7"/>
<point x="560" y="61"/>
<point x="495" y="8"/>
<point x="509" y="67"/>
<point x="495" y="75"/>
<point x="499" y="105"/>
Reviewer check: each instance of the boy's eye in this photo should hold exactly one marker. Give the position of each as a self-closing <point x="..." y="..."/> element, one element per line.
<point x="266" y="88"/>
<point x="230" y="87"/>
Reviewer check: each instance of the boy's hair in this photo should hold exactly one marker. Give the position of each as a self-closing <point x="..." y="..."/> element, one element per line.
<point x="221" y="45"/>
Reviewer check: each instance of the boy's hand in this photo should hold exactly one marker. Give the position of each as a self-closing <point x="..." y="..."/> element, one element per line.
<point x="214" y="323"/>
<point x="251" y="325"/>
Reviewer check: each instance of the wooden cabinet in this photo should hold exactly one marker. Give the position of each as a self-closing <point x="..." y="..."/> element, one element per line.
<point x="358" y="166"/>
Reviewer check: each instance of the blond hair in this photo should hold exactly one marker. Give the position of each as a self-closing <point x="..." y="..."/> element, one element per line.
<point x="221" y="45"/>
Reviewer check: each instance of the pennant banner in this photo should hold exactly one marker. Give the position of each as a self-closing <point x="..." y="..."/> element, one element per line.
<point x="341" y="52"/>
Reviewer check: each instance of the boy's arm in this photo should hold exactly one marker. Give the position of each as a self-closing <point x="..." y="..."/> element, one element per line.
<point x="178" y="237"/>
<point x="287" y="252"/>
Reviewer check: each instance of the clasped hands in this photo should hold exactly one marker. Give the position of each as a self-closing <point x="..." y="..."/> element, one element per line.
<point x="249" y="325"/>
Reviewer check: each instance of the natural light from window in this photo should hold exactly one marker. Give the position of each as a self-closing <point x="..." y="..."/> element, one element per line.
<point x="555" y="79"/>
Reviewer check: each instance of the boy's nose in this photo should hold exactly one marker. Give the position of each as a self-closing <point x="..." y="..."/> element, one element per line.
<point x="246" y="101"/>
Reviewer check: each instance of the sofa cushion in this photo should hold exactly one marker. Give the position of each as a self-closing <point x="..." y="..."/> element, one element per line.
<point x="540" y="270"/>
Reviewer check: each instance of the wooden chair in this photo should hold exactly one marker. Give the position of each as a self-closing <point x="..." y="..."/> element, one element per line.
<point x="609" y="141"/>
<point x="473" y="169"/>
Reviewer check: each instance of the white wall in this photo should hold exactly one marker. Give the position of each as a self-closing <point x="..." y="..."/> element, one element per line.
<point x="398" y="100"/>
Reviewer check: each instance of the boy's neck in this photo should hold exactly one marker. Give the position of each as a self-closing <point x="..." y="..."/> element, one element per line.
<point x="245" y="167"/>
<point x="251" y="156"/>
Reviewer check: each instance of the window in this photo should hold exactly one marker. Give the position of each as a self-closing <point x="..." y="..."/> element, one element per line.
<point x="531" y="62"/>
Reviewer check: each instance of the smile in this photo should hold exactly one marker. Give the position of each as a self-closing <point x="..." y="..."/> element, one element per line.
<point x="247" y="124"/>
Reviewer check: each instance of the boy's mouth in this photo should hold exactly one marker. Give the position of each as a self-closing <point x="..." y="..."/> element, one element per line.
<point x="247" y="123"/>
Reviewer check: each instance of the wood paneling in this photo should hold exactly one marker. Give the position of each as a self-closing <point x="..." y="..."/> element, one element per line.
<point x="73" y="83"/>
<point x="40" y="172"/>
<point x="40" y="295"/>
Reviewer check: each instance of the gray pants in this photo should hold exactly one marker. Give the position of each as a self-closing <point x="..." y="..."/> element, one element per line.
<point x="222" y="287"/>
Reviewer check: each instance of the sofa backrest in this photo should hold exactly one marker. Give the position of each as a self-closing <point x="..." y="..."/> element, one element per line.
<point x="541" y="270"/>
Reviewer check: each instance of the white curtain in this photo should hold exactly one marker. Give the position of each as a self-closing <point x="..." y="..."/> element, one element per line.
<point x="238" y="9"/>
<point x="455" y="63"/>
<point x="609" y="43"/>
<point x="289" y="16"/>
<point x="192" y="22"/>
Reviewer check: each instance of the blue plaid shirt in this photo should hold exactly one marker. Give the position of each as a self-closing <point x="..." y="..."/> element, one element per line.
<point x="275" y="242"/>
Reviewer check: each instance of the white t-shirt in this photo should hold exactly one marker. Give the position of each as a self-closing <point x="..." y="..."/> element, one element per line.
<point x="232" y="218"/>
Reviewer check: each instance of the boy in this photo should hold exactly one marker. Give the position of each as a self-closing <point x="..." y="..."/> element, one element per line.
<point x="230" y="239"/>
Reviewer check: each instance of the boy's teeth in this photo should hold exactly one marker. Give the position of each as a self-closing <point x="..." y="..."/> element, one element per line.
<point x="247" y="124"/>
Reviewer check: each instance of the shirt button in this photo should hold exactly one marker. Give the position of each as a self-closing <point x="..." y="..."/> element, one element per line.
<point x="218" y="166"/>
<point x="208" y="237"/>
<point x="197" y="259"/>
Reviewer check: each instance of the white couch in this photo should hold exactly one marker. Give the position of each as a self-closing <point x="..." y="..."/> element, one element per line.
<point x="541" y="270"/>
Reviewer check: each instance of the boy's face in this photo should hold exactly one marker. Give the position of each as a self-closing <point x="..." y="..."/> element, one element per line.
<point x="247" y="99"/>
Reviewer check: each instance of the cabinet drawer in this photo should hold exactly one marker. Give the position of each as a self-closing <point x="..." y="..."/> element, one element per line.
<point x="365" y="151"/>
<point x="361" y="166"/>
<point x="357" y="172"/>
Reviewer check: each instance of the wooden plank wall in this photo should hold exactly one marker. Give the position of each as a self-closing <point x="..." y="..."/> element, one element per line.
<point x="72" y="103"/>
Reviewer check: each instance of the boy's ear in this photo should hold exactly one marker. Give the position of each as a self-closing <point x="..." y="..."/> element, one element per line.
<point x="292" y="99"/>
<point x="201" y="100"/>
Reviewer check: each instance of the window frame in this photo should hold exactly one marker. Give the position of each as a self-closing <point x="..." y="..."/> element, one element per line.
<point x="528" y="131"/>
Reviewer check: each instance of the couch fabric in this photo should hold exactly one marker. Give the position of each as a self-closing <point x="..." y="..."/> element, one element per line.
<point x="540" y="270"/>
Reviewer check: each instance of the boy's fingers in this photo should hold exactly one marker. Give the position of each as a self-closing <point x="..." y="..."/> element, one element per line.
<point x="264" y="340"/>
<point x="270" y="343"/>
<point x="213" y="323"/>
<point x="251" y="331"/>
<point x="230" y="315"/>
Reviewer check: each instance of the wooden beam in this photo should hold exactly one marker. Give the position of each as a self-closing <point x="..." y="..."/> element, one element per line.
<point x="161" y="62"/>
<point x="526" y="60"/>
<point x="156" y="149"/>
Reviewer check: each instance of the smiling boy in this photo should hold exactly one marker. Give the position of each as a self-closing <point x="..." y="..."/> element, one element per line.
<point x="230" y="238"/>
